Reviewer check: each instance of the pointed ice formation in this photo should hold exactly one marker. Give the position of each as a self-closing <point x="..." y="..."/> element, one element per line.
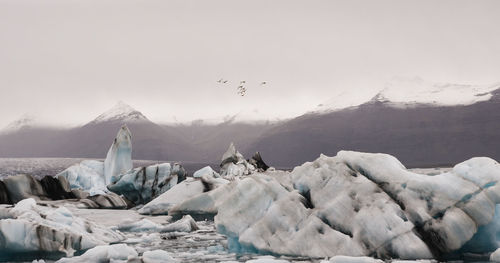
<point x="119" y="157"/>
<point x="234" y="164"/>
<point x="258" y="163"/>
<point x="93" y="176"/>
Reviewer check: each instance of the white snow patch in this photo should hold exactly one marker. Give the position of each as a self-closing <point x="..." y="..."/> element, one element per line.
<point x="109" y="253"/>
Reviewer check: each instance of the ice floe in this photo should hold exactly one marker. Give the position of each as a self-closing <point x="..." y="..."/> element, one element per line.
<point x="107" y="253"/>
<point x="30" y="228"/>
<point x="355" y="204"/>
<point x="141" y="185"/>
<point x="206" y="171"/>
<point x="233" y="164"/>
<point x="189" y="188"/>
<point x="186" y="224"/>
<point x="87" y="176"/>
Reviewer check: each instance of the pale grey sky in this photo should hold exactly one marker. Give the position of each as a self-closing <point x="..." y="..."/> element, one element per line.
<point x="69" y="60"/>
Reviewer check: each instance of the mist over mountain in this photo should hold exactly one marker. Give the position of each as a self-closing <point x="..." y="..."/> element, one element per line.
<point x="447" y="125"/>
<point x="430" y="124"/>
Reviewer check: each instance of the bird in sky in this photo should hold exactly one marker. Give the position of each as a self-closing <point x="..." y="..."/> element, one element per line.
<point x="263" y="83"/>
<point x="241" y="90"/>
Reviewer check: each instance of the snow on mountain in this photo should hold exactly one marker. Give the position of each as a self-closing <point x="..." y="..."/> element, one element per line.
<point x="121" y="112"/>
<point x="252" y="116"/>
<point x="246" y="116"/>
<point x="25" y="121"/>
<point x="408" y="92"/>
<point x="419" y="91"/>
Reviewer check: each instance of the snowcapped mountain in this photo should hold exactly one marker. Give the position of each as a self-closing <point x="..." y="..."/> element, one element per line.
<point x="121" y="112"/>
<point x="423" y="123"/>
<point x="25" y="121"/>
<point x="404" y="91"/>
<point x="413" y="92"/>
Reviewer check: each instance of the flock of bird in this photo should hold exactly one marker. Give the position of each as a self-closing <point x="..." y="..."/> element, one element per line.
<point x="241" y="89"/>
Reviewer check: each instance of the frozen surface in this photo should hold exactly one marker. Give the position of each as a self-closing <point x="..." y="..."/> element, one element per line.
<point x="141" y="185"/>
<point x="87" y="175"/>
<point x="119" y="157"/>
<point x="109" y="253"/>
<point x="28" y="227"/>
<point x="233" y="164"/>
<point x="495" y="256"/>
<point x="93" y="176"/>
<point x="186" y="224"/>
<point x="206" y="171"/>
<point x="347" y="259"/>
<point x="189" y="188"/>
<point x="356" y="204"/>
<point x="201" y="245"/>
<point x="157" y="256"/>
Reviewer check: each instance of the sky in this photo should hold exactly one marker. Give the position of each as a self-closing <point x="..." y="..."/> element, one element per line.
<point x="67" y="61"/>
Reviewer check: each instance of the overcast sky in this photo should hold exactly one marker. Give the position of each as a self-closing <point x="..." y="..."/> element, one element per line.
<point x="66" y="61"/>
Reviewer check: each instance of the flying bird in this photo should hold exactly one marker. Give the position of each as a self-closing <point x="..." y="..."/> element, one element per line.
<point x="241" y="90"/>
<point x="263" y="83"/>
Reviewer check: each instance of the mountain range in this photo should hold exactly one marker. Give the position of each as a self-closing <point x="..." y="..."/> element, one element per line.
<point x="422" y="123"/>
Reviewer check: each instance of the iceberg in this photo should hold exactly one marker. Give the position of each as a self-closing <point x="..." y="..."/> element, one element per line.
<point x="206" y="171"/>
<point x="157" y="256"/>
<point x="30" y="228"/>
<point x="186" y="224"/>
<point x="347" y="259"/>
<point x="356" y="204"/>
<point x="88" y="175"/>
<point x="105" y="253"/>
<point x="495" y="256"/>
<point x="119" y="253"/>
<point x="141" y="185"/>
<point x="233" y="164"/>
<point x="19" y="187"/>
<point x="258" y="163"/>
<point x="119" y="157"/>
<point x="92" y="176"/>
<point x="189" y="188"/>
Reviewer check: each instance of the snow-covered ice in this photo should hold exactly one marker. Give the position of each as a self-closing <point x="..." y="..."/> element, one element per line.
<point x="157" y="256"/>
<point x="347" y="259"/>
<point x="28" y="227"/>
<point x="184" y="191"/>
<point x="141" y="185"/>
<point x="355" y="204"/>
<point x="106" y="253"/>
<point x="495" y="256"/>
<point x="87" y="175"/>
<point x="92" y="176"/>
<point x="119" y="157"/>
<point x="233" y="164"/>
<point x="207" y="170"/>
